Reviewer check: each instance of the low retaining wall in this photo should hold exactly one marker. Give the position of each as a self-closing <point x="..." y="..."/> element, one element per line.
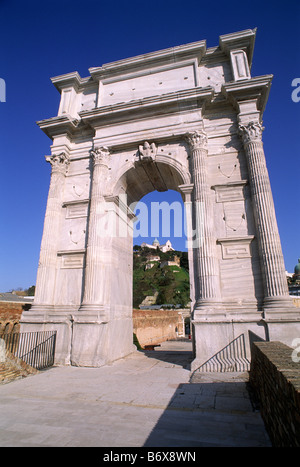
<point x="10" y="314"/>
<point x="275" y="379"/>
<point x="12" y="368"/>
<point x="150" y="326"/>
<point x="156" y="326"/>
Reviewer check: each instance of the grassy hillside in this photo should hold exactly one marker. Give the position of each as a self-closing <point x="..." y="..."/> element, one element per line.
<point x="171" y="282"/>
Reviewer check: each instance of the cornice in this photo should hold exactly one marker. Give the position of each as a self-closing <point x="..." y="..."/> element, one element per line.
<point x="230" y="184"/>
<point x="160" y="104"/>
<point x="160" y="57"/>
<point x="166" y="102"/>
<point x="59" y="125"/>
<point x="75" y="202"/>
<point x="72" y="79"/>
<point x="214" y="55"/>
<point x="174" y="55"/>
<point x="254" y="88"/>
<point x="243" y="40"/>
<point x="71" y="252"/>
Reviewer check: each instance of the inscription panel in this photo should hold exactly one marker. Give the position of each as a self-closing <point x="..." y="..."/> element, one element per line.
<point x="74" y="210"/>
<point x="230" y="192"/>
<point x="142" y="85"/>
<point x="72" y="259"/>
<point x="236" y="248"/>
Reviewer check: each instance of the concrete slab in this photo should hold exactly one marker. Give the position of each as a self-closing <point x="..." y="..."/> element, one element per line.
<point x="145" y="399"/>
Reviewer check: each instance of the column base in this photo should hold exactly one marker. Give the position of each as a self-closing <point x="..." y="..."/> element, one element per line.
<point x="93" y="312"/>
<point x="206" y="310"/>
<point x="211" y="336"/>
<point x="280" y="308"/>
<point x="96" y="343"/>
<point x="48" y="318"/>
<point x="84" y="338"/>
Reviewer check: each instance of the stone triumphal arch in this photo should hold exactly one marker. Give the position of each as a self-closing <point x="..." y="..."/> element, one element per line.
<point x="188" y="118"/>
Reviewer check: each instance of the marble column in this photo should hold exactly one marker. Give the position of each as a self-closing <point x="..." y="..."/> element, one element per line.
<point x="271" y="257"/>
<point x="207" y="280"/>
<point x="96" y="294"/>
<point x="45" y="284"/>
<point x="187" y="190"/>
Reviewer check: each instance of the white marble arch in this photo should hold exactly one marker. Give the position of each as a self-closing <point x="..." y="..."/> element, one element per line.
<point x="188" y="118"/>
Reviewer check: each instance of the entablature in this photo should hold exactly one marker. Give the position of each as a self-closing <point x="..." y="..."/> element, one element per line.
<point x="241" y="40"/>
<point x="242" y="92"/>
<point x="187" y="79"/>
<point x="160" y="104"/>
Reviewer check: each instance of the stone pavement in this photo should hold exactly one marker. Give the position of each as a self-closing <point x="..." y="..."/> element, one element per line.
<point x="144" y="399"/>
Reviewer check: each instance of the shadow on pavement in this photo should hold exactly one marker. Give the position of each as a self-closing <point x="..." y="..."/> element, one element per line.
<point x="182" y="358"/>
<point x="217" y="414"/>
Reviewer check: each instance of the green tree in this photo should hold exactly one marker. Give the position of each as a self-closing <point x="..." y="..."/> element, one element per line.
<point x="31" y="291"/>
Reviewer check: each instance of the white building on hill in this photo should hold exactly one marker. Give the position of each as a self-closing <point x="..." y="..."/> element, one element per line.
<point x="166" y="247"/>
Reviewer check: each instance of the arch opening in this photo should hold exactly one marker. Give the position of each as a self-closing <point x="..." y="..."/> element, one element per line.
<point x="153" y="193"/>
<point x="145" y="177"/>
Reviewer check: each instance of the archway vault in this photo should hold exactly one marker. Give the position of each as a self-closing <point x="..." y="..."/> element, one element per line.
<point x="157" y="172"/>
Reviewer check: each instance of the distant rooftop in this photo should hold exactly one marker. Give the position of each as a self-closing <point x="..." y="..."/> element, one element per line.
<point x="11" y="297"/>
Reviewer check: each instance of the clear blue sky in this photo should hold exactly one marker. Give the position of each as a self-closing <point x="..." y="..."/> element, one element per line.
<point x="42" y="39"/>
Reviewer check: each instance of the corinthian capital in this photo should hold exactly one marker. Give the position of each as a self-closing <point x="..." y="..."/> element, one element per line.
<point x="100" y="156"/>
<point x="251" y="132"/>
<point x="196" y="139"/>
<point x="59" y="162"/>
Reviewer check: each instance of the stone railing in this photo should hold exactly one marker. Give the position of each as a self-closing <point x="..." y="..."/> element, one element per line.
<point x="275" y="379"/>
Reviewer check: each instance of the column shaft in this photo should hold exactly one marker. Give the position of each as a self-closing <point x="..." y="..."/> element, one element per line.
<point x="271" y="257"/>
<point x="207" y="283"/>
<point x="46" y="275"/>
<point x="95" y="292"/>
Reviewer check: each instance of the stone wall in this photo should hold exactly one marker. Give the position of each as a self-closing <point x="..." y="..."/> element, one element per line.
<point x="296" y="301"/>
<point x="275" y="379"/>
<point x="150" y="326"/>
<point x="10" y="314"/>
<point x="156" y="326"/>
<point x="11" y="367"/>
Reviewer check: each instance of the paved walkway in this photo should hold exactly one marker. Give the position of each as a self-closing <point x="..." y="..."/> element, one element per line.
<point x="144" y="399"/>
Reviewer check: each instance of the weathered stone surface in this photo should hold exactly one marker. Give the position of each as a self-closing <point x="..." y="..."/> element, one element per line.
<point x="143" y="400"/>
<point x="188" y="119"/>
<point x="12" y="368"/>
<point x="275" y="378"/>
